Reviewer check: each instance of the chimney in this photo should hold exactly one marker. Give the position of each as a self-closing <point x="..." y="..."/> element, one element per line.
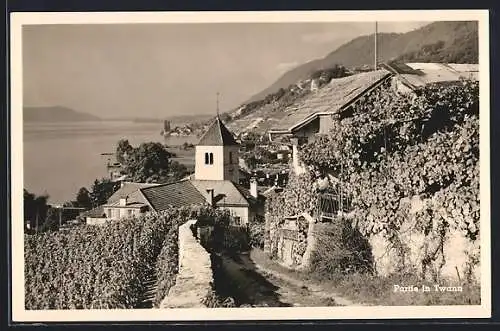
<point x="123" y="201"/>
<point x="253" y="187"/>
<point x="210" y="196"/>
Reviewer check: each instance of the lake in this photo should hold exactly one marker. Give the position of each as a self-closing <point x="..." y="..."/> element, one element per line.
<point x="59" y="158"/>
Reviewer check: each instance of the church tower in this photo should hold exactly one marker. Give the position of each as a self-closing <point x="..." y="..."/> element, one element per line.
<point x="217" y="154"/>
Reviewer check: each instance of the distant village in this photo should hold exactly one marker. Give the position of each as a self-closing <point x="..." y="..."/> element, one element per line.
<point x="222" y="175"/>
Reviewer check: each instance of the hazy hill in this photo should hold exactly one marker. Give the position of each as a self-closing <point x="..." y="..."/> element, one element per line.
<point x="453" y="42"/>
<point x="55" y="114"/>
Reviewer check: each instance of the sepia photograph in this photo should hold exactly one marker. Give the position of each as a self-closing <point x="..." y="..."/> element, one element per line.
<point x="295" y="165"/>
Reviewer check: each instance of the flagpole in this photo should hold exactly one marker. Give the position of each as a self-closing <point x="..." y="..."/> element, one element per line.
<point x="217" y="104"/>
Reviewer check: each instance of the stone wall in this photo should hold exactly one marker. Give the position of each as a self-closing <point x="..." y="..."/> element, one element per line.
<point x="451" y="256"/>
<point x="287" y="255"/>
<point x="311" y="243"/>
<point x="195" y="277"/>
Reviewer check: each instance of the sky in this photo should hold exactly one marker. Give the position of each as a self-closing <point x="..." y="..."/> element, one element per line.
<point x="169" y="69"/>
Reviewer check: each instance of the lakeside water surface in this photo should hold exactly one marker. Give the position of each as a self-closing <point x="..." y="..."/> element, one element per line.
<point x="59" y="158"/>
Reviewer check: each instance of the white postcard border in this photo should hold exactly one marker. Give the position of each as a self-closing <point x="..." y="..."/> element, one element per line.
<point x="19" y="314"/>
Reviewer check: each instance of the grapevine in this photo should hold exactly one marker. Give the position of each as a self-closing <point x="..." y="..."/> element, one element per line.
<point x="397" y="146"/>
<point x="100" y="267"/>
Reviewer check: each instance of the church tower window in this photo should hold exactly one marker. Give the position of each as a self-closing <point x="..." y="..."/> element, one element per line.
<point x="209" y="158"/>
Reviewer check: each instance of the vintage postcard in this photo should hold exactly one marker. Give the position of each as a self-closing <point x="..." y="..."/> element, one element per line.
<point x="188" y="166"/>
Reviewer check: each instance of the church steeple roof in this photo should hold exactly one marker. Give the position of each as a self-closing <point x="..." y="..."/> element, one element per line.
<point x="217" y="135"/>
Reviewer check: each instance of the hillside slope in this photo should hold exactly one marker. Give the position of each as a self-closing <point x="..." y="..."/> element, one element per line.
<point x="55" y="114"/>
<point x="440" y="42"/>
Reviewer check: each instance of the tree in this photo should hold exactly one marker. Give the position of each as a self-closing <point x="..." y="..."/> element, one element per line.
<point x="178" y="170"/>
<point x="225" y="117"/>
<point x="102" y="190"/>
<point x="84" y="198"/>
<point x="123" y="149"/>
<point x="51" y="222"/>
<point x="151" y="162"/>
<point x="326" y="75"/>
<point x="149" y="159"/>
<point x="35" y="208"/>
<point x="250" y="160"/>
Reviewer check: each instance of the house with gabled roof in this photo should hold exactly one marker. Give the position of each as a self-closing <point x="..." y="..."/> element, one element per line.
<point x="320" y="112"/>
<point x="215" y="182"/>
<point x="317" y="112"/>
<point x="408" y="77"/>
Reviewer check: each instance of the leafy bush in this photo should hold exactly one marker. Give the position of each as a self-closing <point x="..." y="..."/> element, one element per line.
<point x="256" y="234"/>
<point x="93" y="267"/>
<point x="213" y="300"/>
<point x="224" y="235"/>
<point x="341" y="250"/>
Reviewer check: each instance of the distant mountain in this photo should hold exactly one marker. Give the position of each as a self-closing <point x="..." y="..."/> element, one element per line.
<point x="55" y="114"/>
<point x="452" y="42"/>
<point x="133" y="119"/>
<point x="176" y="119"/>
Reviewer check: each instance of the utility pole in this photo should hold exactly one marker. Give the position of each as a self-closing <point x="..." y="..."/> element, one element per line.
<point x="36" y="220"/>
<point x="376" y="32"/>
<point x="341" y="207"/>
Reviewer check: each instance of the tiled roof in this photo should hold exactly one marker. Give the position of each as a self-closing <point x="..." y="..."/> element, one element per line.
<point x="225" y="192"/>
<point x="250" y="198"/>
<point x="464" y="67"/>
<point x="96" y="212"/>
<point x="428" y="73"/>
<point x="178" y="194"/>
<point x="129" y="204"/>
<point x="217" y="135"/>
<point x="130" y="190"/>
<point x="188" y="192"/>
<point x="330" y="98"/>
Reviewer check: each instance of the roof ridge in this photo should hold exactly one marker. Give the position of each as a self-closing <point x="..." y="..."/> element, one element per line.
<point x="239" y="187"/>
<point x="219" y="124"/>
<point x="206" y="132"/>
<point x="163" y="184"/>
<point x="217" y="134"/>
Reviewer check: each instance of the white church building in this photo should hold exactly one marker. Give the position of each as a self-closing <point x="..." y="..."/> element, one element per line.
<point x="215" y="181"/>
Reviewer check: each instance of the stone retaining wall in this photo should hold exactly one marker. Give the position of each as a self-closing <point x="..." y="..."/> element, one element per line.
<point x="194" y="279"/>
<point x="452" y="256"/>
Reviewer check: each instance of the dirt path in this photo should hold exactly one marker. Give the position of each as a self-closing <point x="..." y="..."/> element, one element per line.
<point x="252" y="285"/>
<point x="312" y="289"/>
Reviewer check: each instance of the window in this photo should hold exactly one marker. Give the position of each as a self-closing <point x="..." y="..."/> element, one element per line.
<point x="230" y="157"/>
<point x="237" y="220"/>
<point x="209" y="158"/>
